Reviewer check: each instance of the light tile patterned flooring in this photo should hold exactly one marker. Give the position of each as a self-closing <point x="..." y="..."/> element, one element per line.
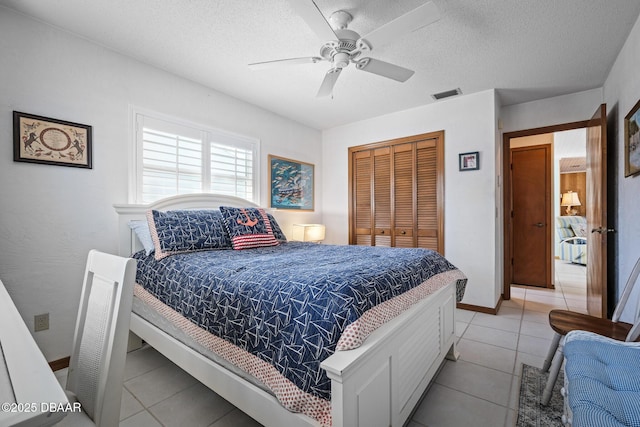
<point x="480" y="389"/>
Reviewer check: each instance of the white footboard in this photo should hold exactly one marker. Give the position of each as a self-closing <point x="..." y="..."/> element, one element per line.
<point x="380" y="383"/>
<point x="377" y="384"/>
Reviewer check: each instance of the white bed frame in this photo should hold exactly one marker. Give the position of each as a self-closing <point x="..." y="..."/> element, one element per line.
<point x="377" y="384"/>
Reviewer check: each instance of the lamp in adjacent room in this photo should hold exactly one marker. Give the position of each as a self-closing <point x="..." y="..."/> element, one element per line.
<point x="570" y="199"/>
<point x="308" y="232"/>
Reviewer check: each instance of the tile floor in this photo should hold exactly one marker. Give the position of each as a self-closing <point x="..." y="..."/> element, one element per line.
<point x="484" y="382"/>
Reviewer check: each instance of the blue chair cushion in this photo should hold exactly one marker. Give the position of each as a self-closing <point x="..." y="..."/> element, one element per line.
<point x="604" y="383"/>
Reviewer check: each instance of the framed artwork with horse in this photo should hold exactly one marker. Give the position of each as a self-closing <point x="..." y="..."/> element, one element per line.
<point x="38" y="139"/>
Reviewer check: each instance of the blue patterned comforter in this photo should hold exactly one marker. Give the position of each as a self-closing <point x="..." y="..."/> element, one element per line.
<point x="286" y="304"/>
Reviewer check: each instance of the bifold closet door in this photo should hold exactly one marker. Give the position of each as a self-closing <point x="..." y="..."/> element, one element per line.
<point x="396" y="193"/>
<point x="362" y="208"/>
<point x="429" y="196"/>
<point x="372" y="193"/>
<point x="382" y="197"/>
<point x="404" y="195"/>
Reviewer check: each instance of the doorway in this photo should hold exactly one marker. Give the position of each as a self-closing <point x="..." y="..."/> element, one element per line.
<point x="597" y="173"/>
<point x="520" y="141"/>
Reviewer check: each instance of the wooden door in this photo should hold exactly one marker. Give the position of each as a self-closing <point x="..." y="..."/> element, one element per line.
<point x="430" y="183"/>
<point x="404" y="195"/>
<point x="531" y="213"/>
<point x="382" y="196"/>
<point x="417" y="196"/>
<point x="360" y="189"/>
<point x="597" y="213"/>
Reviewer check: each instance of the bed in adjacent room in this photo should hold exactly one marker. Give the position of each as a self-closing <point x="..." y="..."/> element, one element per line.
<point x="292" y="333"/>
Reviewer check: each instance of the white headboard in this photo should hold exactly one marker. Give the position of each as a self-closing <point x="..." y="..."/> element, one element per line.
<point x="127" y="241"/>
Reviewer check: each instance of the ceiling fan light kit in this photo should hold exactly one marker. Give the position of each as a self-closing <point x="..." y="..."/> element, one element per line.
<point x="340" y="19"/>
<point x="343" y="46"/>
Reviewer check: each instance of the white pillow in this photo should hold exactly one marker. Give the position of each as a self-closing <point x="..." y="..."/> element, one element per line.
<point x="141" y="228"/>
<point x="580" y="230"/>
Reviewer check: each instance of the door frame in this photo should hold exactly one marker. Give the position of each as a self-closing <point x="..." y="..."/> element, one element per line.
<point x="506" y="195"/>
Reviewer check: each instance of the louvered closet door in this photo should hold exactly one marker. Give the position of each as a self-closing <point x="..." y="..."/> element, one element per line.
<point x="427" y="195"/>
<point x="403" y="195"/>
<point x="382" y="196"/>
<point x="396" y="193"/>
<point x="361" y="198"/>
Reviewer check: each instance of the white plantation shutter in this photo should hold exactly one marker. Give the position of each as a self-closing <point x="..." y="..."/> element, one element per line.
<point x="232" y="170"/>
<point x="177" y="158"/>
<point x="171" y="160"/>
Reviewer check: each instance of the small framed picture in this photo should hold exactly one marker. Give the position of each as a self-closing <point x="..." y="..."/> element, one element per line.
<point x="632" y="141"/>
<point x="469" y="161"/>
<point x="38" y="139"/>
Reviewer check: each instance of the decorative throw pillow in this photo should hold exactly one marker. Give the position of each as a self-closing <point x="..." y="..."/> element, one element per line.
<point x="176" y="232"/>
<point x="580" y="230"/>
<point x="248" y="227"/>
<point x="141" y="228"/>
<point x="275" y="227"/>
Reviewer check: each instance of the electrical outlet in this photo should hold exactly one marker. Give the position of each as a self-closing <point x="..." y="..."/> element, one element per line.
<point x="41" y="322"/>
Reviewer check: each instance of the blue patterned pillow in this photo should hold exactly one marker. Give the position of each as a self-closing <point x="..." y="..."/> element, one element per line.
<point x="277" y="231"/>
<point x="176" y="232"/>
<point x="248" y="227"/>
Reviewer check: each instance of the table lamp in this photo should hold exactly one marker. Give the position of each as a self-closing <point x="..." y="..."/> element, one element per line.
<point x="308" y="232"/>
<point x="569" y="199"/>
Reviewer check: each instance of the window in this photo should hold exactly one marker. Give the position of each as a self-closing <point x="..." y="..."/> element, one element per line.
<point x="174" y="157"/>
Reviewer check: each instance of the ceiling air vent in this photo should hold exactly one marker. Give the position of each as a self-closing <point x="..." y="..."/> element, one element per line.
<point x="446" y="94"/>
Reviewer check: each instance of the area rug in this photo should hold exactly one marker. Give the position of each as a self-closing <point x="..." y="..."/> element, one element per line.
<point x="530" y="412"/>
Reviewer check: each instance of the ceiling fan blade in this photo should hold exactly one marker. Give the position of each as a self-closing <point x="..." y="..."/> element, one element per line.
<point x="285" y="62"/>
<point x="330" y="79"/>
<point x="310" y="13"/>
<point x="419" y="17"/>
<point x="384" y="69"/>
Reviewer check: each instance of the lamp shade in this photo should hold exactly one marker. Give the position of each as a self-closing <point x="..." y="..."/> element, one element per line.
<point x="570" y="199"/>
<point x="308" y="232"/>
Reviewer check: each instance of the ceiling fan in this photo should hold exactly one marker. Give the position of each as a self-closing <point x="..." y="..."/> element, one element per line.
<point x="344" y="46"/>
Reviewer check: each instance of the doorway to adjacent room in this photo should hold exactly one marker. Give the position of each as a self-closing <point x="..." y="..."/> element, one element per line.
<point x="553" y="177"/>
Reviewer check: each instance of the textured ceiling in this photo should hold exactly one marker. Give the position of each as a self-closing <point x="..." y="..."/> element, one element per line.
<point x="527" y="49"/>
<point x="573" y="164"/>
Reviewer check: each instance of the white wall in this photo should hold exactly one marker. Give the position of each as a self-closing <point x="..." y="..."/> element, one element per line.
<point x="51" y="216"/>
<point x="621" y="92"/>
<point x="574" y="107"/>
<point x="469" y="123"/>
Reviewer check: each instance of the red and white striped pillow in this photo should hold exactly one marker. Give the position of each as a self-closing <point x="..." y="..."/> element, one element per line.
<point x="248" y="227"/>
